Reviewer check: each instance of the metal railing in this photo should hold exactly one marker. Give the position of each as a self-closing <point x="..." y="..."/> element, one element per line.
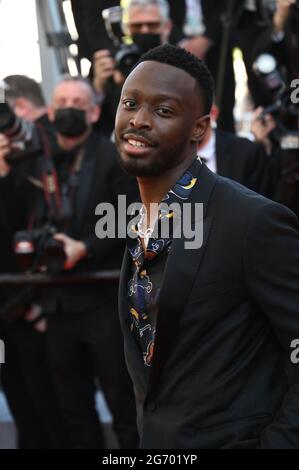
<point x="59" y="279"/>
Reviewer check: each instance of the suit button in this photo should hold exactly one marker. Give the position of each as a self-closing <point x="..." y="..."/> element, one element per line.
<point x="150" y="407"/>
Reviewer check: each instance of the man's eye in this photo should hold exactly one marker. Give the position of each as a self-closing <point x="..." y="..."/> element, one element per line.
<point x="129" y="104"/>
<point x="164" y="111"/>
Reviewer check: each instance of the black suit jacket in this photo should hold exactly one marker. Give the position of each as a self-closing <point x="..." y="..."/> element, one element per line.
<point x="227" y="315"/>
<point x="245" y="162"/>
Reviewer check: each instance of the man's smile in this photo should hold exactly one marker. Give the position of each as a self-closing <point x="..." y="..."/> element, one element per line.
<point x="136" y="145"/>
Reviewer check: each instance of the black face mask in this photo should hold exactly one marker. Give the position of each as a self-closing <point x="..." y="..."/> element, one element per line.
<point x="70" y="122"/>
<point x="147" y="41"/>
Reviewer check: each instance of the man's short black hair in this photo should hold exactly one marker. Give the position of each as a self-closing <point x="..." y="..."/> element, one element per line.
<point x="184" y="60"/>
<point x="21" y="86"/>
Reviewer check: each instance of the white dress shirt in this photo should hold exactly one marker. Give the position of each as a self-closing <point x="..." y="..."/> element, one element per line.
<point x="194" y="23"/>
<point x="250" y="5"/>
<point x="208" y="152"/>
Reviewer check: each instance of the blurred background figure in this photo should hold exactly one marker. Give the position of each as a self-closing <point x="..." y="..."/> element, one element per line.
<point x="91" y="26"/>
<point x="25" y="375"/>
<point x="277" y="126"/>
<point x="237" y="158"/>
<point x="147" y="24"/>
<point x="26" y="97"/>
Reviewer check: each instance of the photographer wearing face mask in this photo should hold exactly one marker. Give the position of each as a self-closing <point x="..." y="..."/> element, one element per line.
<point x="277" y="126"/>
<point x="148" y="24"/>
<point x="64" y="187"/>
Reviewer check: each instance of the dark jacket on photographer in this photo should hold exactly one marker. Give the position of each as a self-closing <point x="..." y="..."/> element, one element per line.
<point x="284" y="47"/>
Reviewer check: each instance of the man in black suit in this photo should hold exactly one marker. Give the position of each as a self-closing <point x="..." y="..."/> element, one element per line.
<point x="237" y="158"/>
<point x="208" y="327"/>
<point x="83" y="338"/>
<point x="281" y="39"/>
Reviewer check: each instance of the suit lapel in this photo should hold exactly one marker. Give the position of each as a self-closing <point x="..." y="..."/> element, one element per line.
<point x="181" y="270"/>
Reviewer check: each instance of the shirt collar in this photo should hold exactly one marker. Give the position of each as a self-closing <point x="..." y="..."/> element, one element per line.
<point x="179" y="193"/>
<point x="208" y="151"/>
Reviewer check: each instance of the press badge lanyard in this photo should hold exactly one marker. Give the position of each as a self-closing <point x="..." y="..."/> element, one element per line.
<point x="59" y="200"/>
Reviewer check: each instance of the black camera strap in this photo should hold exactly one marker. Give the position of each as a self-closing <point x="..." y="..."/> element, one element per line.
<point x="50" y="181"/>
<point x="69" y="188"/>
<point x="59" y="196"/>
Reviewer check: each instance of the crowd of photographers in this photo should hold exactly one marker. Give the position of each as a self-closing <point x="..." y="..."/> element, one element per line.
<point x="58" y="162"/>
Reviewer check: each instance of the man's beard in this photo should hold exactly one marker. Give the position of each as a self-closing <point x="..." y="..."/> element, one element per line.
<point x="151" y="168"/>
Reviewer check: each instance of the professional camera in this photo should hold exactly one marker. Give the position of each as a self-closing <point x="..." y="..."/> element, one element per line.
<point x="285" y="137"/>
<point x="285" y="109"/>
<point x="20" y="133"/>
<point x="127" y="55"/>
<point x="14" y="128"/>
<point x="37" y="250"/>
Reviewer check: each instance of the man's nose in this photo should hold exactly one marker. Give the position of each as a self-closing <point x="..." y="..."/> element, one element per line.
<point x="144" y="29"/>
<point x="69" y="103"/>
<point x="141" y="119"/>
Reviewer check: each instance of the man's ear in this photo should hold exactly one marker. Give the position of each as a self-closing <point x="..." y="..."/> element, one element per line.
<point x="21" y="107"/>
<point x="167" y="28"/>
<point x="95" y="114"/>
<point x="202" y="124"/>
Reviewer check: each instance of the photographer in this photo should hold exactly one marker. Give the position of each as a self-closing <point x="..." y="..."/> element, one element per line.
<point x="25" y="375"/>
<point x="83" y="327"/>
<point x="277" y="65"/>
<point x="148" y="23"/>
<point x="281" y="38"/>
<point x="283" y="158"/>
<point x="25" y="97"/>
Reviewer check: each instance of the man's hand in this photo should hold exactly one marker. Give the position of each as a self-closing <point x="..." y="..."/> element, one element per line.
<point x="261" y="128"/>
<point x="74" y="250"/>
<point x="103" y="66"/>
<point x="198" y="46"/>
<point x="5" y="149"/>
<point x="282" y="14"/>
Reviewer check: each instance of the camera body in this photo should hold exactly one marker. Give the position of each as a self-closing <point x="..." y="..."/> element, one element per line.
<point x="38" y="250"/>
<point x="20" y="133"/>
<point x="17" y="130"/>
<point x="127" y="55"/>
<point x="284" y="109"/>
